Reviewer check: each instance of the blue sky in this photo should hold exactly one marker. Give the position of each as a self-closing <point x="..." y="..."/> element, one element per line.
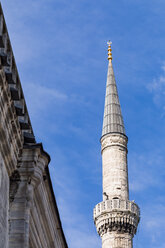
<point x="61" y="54"/>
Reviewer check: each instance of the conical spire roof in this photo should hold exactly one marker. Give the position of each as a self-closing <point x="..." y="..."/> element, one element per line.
<point x="113" y="120"/>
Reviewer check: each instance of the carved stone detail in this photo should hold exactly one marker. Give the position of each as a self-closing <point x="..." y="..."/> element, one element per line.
<point x="115" y="139"/>
<point x="11" y="98"/>
<point x="14" y="184"/>
<point x="23" y="204"/>
<point x="9" y="127"/>
<point x="32" y="164"/>
<point x="116" y="215"/>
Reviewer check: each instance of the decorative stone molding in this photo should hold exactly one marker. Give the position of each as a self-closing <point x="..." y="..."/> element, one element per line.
<point x="116" y="215"/>
<point x="11" y="137"/>
<point x="23" y="165"/>
<point x="15" y="125"/>
<point x="114" y="139"/>
<point x="14" y="184"/>
<point x="9" y="126"/>
<point x="32" y="163"/>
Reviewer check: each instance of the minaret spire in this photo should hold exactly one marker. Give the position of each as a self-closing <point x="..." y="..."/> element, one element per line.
<point x="116" y="217"/>
<point x="113" y="120"/>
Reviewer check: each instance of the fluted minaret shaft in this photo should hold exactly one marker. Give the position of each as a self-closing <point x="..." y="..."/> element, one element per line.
<point x="116" y="218"/>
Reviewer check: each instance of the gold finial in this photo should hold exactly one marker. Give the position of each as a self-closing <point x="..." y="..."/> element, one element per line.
<point x="109" y="50"/>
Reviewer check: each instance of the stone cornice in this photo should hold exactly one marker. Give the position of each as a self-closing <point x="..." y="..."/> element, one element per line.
<point x="15" y="125"/>
<point x="42" y="152"/>
<point x="11" y="136"/>
<point x="32" y="164"/>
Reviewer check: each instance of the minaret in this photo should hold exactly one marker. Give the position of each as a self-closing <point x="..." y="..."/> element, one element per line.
<point x="116" y="217"/>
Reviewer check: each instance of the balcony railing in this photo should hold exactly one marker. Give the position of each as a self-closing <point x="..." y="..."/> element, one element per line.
<point x="116" y="204"/>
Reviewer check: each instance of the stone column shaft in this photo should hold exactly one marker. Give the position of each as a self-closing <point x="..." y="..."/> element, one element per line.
<point x="23" y="182"/>
<point x="113" y="240"/>
<point x="114" y="162"/>
<point x="19" y="216"/>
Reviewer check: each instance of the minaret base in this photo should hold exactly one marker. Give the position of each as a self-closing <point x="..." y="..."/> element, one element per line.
<point x="117" y="240"/>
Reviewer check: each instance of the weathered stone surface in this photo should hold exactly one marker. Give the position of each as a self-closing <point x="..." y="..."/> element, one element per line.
<point x="4" y="205"/>
<point x="29" y="175"/>
<point x="43" y="215"/>
<point x="114" y="162"/>
<point x="29" y="217"/>
<point x="120" y="216"/>
<point x="115" y="240"/>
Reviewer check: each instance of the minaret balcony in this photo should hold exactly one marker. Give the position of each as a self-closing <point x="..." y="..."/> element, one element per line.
<point x="116" y="215"/>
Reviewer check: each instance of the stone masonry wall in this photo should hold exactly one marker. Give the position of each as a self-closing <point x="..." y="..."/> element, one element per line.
<point x="4" y="203"/>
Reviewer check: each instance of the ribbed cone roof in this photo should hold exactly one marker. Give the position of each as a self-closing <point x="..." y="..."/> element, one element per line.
<point x="113" y="120"/>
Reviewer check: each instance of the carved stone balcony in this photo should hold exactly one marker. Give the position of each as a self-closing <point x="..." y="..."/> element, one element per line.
<point x="116" y="215"/>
